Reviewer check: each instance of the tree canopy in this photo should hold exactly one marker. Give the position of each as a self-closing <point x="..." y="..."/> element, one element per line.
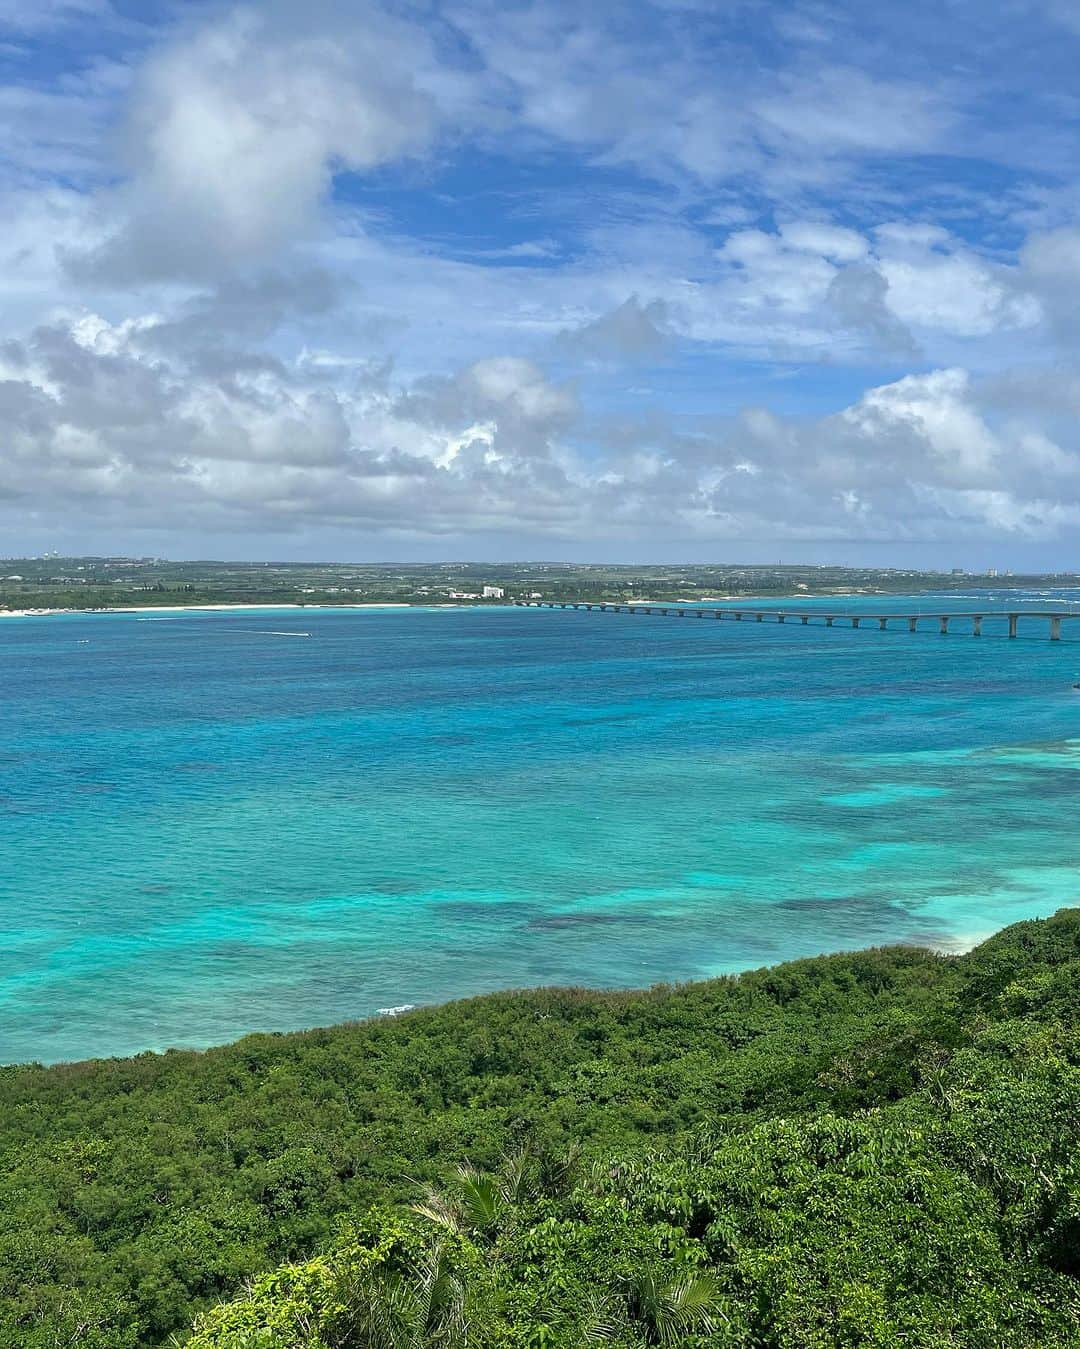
<point x="866" y="1149"/>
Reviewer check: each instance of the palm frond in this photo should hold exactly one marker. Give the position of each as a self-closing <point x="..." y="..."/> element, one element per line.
<point x="440" y="1208"/>
<point x="516" y="1179"/>
<point x="480" y="1197"/>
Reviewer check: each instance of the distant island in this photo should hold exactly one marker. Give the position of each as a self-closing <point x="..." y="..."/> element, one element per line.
<point x="874" y="1149"/>
<point x="88" y="583"/>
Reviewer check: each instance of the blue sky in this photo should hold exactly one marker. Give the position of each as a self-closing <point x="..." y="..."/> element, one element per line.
<point x="652" y="280"/>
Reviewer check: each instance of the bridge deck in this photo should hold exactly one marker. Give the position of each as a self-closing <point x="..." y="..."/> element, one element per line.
<point x="943" y="618"/>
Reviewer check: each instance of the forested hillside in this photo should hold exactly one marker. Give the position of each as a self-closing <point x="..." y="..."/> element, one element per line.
<point x="867" y="1149"/>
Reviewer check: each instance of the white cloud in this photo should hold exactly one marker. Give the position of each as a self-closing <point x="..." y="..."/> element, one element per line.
<point x="859" y="296"/>
<point x="841" y="110"/>
<point x="935" y="412"/>
<point x="236" y="130"/>
<point x="108" y="419"/>
<point x="632" y="330"/>
<point x="1050" y="268"/>
<point x="956" y="293"/>
<point x="769" y="272"/>
<point x="912" y="278"/>
<point x="283" y="302"/>
<point x="520" y="385"/>
<point x="830" y="241"/>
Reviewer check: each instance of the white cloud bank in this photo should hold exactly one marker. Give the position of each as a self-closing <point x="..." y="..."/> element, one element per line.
<point x="212" y="323"/>
<point x="112" y="422"/>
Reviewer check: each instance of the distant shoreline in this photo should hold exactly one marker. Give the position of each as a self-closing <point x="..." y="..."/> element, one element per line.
<point x="375" y="604"/>
<point x="201" y="608"/>
<point x="772" y="598"/>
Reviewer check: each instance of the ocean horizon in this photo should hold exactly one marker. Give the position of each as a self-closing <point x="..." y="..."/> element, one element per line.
<point x="217" y="823"/>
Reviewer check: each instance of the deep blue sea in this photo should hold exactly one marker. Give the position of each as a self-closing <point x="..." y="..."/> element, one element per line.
<point x="212" y="824"/>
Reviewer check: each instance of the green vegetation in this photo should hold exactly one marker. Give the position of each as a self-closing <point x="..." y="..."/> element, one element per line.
<point x="96" y="582"/>
<point x="870" y="1149"/>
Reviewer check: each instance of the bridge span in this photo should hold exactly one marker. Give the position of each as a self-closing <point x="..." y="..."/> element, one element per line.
<point x="1053" y="619"/>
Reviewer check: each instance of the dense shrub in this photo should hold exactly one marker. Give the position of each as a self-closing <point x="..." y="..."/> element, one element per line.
<point x="869" y="1149"/>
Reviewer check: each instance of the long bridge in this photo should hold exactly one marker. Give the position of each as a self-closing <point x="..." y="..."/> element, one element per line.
<point x="1053" y="619"/>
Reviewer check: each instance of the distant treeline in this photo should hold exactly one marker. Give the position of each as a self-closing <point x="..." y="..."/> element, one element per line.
<point x="91" y="583"/>
<point x="877" y="1149"/>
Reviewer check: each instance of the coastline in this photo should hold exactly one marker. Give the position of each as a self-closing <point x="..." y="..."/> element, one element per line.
<point x="963" y="945"/>
<point x="201" y="608"/>
<point x="390" y="604"/>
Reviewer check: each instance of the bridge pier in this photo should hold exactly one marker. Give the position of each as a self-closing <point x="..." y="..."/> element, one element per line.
<point x="1054" y="620"/>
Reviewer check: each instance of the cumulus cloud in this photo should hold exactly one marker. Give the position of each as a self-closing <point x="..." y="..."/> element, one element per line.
<point x="283" y="265"/>
<point x="936" y="283"/>
<point x="1050" y="267"/>
<point x="859" y="296"/>
<point x="631" y="330"/>
<point x="894" y="291"/>
<point x="235" y="131"/>
<point x="105" y="416"/>
<point x="830" y="241"/>
<point x="934" y="413"/>
<point x="111" y="418"/>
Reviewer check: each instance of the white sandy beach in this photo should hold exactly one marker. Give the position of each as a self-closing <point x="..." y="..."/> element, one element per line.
<point x="402" y="604"/>
<point x="191" y="608"/>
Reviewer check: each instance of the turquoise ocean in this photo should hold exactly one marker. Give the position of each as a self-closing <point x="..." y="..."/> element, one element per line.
<point x="214" y="824"/>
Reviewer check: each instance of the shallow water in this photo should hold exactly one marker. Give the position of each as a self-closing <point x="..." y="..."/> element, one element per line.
<point x="211" y="828"/>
